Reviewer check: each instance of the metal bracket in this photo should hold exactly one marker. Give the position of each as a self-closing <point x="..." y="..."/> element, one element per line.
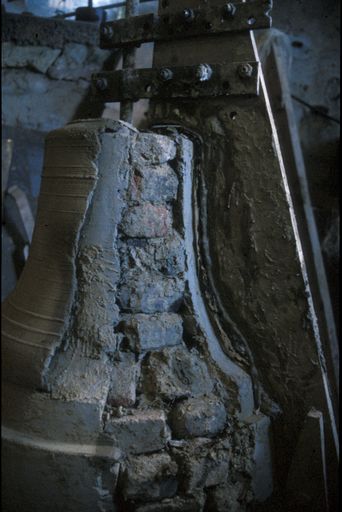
<point x="187" y="23"/>
<point x="203" y="80"/>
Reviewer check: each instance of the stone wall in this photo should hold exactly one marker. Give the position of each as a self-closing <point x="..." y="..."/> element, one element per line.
<point x="43" y="87"/>
<point x="163" y="405"/>
<point x="175" y="429"/>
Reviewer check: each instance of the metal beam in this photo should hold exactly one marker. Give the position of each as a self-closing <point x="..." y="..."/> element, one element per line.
<point x="186" y="23"/>
<point x="226" y="79"/>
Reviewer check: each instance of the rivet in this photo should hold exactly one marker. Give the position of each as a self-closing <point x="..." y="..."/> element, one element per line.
<point x="245" y="70"/>
<point x="101" y="84"/>
<point x="107" y="31"/>
<point x="229" y="10"/>
<point x="188" y="15"/>
<point x="203" y="72"/>
<point x="166" y="74"/>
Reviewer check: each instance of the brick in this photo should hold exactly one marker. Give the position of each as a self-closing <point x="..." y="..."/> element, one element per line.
<point x="152" y="332"/>
<point x="150" y="477"/>
<point x="152" y="148"/>
<point x="175" y="373"/>
<point x="145" y="292"/>
<point x="139" y="432"/>
<point x="155" y="183"/>
<point x="147" y="221"/>
<point x="198" y="417"/>
<point x="124" y="376"/>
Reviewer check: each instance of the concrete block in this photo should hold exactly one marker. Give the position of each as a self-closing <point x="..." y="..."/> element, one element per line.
<point x="124" y="377"/>
<point x="147" y="221"/>
<point x="38" y="58"/>
<point x="152" y="148"/>
<point x="139" y="432"/>
<point x="145" y="292"/>
<point x="150" y="477"/>
<point x="175" y="373"/>
<point x="154" y="183"/>
<point x="198" y="417"/>
<point x="152" y="332"/>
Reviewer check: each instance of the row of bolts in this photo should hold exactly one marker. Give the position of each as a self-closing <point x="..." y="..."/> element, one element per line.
<point x="203" y="71"/>
<point x="187" y="14"/>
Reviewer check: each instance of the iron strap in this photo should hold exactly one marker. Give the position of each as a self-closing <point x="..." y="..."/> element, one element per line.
<point x="187" y="23"/>
<point x="203" y="80"/>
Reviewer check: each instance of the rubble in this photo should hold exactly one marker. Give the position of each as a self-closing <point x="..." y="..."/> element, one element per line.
<point x="175" y="373"/>
<point x="150" y="477"/>
<point x="198" y="417"/>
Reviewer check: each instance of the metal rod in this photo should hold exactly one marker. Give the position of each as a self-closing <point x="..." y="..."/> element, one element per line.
<point x="128" y="61"/>
<point x="109" y="6"/>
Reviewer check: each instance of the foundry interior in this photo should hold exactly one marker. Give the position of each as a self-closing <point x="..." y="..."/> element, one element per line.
<point x="170" y="255"/>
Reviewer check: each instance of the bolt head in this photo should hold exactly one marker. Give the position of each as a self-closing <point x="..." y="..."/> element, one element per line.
<point x="166" y="74"/>
<point x="245" y="70"/>
<point x="188" y="15"/>
<point x="203" y="72"/>
<point x="229" y="10"/>
<point x="101" y="84"/>
<point x="106" y="31"/>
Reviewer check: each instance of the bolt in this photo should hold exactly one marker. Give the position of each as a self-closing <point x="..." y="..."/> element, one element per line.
<point x="245" y="70"/>
<point x="229" y="10"/>
<point x="166" y="74"/>
<point x="203" y="72"/>
<point x="107" y="31"/>
<point x="188" y="15"/>
<point x="101" y="84"/>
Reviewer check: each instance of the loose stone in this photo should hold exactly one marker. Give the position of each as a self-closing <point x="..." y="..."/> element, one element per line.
<point x="197" y="417"/>
<point x="152" y="332"/>
<point x="150" y="477"/>
<point x="152" y="148"/>
<point x="140" y="432"/>
<point x="147" y="221"/>
<point x="156" y="184"/>
<point x="175" y="373"/>
<point x="123" y="382"/>
<point x="145" y="292"/>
